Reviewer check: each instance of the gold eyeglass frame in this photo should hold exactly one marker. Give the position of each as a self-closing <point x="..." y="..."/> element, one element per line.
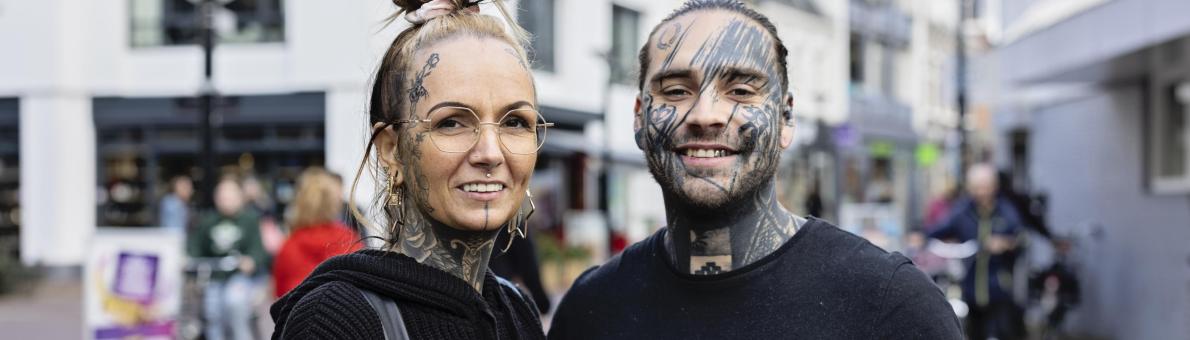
<point x="544" y="126"/>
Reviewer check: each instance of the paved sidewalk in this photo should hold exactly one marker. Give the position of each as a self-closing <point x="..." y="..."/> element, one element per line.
<point x="53" y="309"/>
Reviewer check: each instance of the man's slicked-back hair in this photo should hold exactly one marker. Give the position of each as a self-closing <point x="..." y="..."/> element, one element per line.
<point x="729" y="5"/>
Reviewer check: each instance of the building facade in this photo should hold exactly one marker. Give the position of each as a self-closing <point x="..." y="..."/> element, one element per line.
<point x="99" y="101"/>
<point x="1090" y="110"/>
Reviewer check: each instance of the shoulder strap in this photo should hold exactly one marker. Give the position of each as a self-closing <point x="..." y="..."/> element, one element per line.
<point x="524" y="300"/>
<point x="390" y="316"/>
<point x="504" y="282"/>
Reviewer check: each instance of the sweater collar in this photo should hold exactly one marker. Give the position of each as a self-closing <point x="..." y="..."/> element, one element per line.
<point x="397" y="277"/>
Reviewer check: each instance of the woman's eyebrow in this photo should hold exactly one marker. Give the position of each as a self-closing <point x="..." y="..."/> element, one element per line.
<point x="449" y="103"/>
<point x="516" y="105"/>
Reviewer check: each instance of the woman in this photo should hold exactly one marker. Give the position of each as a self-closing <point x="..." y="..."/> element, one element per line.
<point x="456" y="133"/>
<point x="316" y="233"/>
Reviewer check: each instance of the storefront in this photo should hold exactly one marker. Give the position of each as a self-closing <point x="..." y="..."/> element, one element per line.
<point x="10" y="176"/>
<point x="144" y="142"/>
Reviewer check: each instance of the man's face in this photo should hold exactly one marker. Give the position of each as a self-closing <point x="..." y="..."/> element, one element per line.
<point x="710" y="116"/>
<point x="982" y="183"/>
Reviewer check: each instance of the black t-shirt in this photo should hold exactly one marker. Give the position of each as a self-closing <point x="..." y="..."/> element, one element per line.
<point x="824" y="283"/>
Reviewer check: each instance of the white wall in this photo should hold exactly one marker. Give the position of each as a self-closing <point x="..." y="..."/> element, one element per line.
<point x="930" y="79"/>
<point x="1134" y="275"/>
<point x="57" y="178"/>
<point x="817" y="58"/>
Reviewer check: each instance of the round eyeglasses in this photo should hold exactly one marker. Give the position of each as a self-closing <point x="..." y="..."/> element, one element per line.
<point x="456" y="129"/>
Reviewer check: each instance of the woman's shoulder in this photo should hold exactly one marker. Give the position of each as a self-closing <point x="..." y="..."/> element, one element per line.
<point x="335" y="310"/>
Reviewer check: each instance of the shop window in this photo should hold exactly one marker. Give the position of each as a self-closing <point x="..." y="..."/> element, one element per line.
<point x="1169" y="154"/>
<point x="177" y="22"/>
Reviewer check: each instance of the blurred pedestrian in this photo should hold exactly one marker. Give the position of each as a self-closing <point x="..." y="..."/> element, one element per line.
<point x="256" y="198"/>
<point x="994" y="224"/>
<point x="315" y="232"/>
<point x="519" y="264"/>
<point x="813" y="205"/>
<point x="939" y="207"/>
<point x="261" y="203"/>
<point x="1031" y="208"/>
<point x="346" y="216"/>
<point x="456" y="134"/>
<point x="232" y="231"/>
<point x="713" y="116"/>
<point x="174" y="209"/>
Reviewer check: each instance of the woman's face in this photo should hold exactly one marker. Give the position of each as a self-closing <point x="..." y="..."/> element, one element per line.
<point x="485" y="76"/>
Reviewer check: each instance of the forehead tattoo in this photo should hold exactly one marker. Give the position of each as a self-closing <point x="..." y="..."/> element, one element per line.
<point x="738" y="51"/>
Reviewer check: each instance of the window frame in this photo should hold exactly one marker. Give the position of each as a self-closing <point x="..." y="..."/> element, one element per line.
<point x="539" y="20"/>
<point x="170" y="16"/>
<point x="617" y="73"/>
<point x="1165" y="184"/>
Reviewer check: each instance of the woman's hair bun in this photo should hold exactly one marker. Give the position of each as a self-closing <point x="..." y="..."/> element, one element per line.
<point x="408" y="5"/>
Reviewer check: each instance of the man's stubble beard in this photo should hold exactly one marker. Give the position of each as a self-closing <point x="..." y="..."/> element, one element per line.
<point x="675" y="181"/>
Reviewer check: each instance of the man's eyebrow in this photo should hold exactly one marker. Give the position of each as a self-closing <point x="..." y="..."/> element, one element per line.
<point x="671" y="73"/>
<point x="744" y="75"/>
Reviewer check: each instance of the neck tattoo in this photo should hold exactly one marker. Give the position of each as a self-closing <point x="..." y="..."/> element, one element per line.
<point x="464" y="254"/>
<point x="709" y="243"/>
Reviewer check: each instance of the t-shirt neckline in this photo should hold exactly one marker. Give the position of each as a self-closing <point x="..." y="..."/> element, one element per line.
<point x="664" y="259"/>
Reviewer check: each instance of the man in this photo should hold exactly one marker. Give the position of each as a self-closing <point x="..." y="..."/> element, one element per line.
<point x="231" y="230"/>
<point x="712" y="118"/>
<point x="991" y="221"/>
<point x="348" y="217"/>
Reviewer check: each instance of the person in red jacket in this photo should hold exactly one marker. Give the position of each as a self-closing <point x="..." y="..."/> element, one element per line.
<point x="316" y="232"/>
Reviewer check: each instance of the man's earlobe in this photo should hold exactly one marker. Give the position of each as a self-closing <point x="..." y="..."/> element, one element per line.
<point x="787" y="120"/>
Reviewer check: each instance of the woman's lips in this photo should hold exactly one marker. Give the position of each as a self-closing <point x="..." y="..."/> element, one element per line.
<point x="482" y="191"/>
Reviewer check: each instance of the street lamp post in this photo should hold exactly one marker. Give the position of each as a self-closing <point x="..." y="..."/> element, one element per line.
<point x="206" y="98"/>
<point x="961" y="87"/>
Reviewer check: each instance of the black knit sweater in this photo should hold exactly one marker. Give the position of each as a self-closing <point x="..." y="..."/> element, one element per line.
<point x="433" y="303"/>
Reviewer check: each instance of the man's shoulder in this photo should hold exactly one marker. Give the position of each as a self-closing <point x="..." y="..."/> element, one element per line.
<point x="627" y="262"/>
<point x="826" y="242"/>
<point x="620" y="271"/>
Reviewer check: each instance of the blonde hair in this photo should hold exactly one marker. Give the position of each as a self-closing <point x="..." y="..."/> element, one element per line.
<point x="389" y="101"/>
<point x="317" y="200"/>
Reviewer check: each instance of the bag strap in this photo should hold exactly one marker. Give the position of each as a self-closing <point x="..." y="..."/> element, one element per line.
<point x="504" y="282"/>
<point x="524" y="300"/>
<point x="390" y="316"/>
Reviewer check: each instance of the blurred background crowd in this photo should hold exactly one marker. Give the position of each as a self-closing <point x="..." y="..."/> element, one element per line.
<point x="223" y="130"/>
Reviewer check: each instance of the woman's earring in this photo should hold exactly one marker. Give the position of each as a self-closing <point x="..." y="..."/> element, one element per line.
<point x="519" y="224"/>
<point x="394" y="192"/>
<point x="394" y="204"/>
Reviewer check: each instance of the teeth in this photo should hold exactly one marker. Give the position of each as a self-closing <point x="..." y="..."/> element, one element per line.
<point x="705" y="153"/>
<point x="480" y="187"/>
